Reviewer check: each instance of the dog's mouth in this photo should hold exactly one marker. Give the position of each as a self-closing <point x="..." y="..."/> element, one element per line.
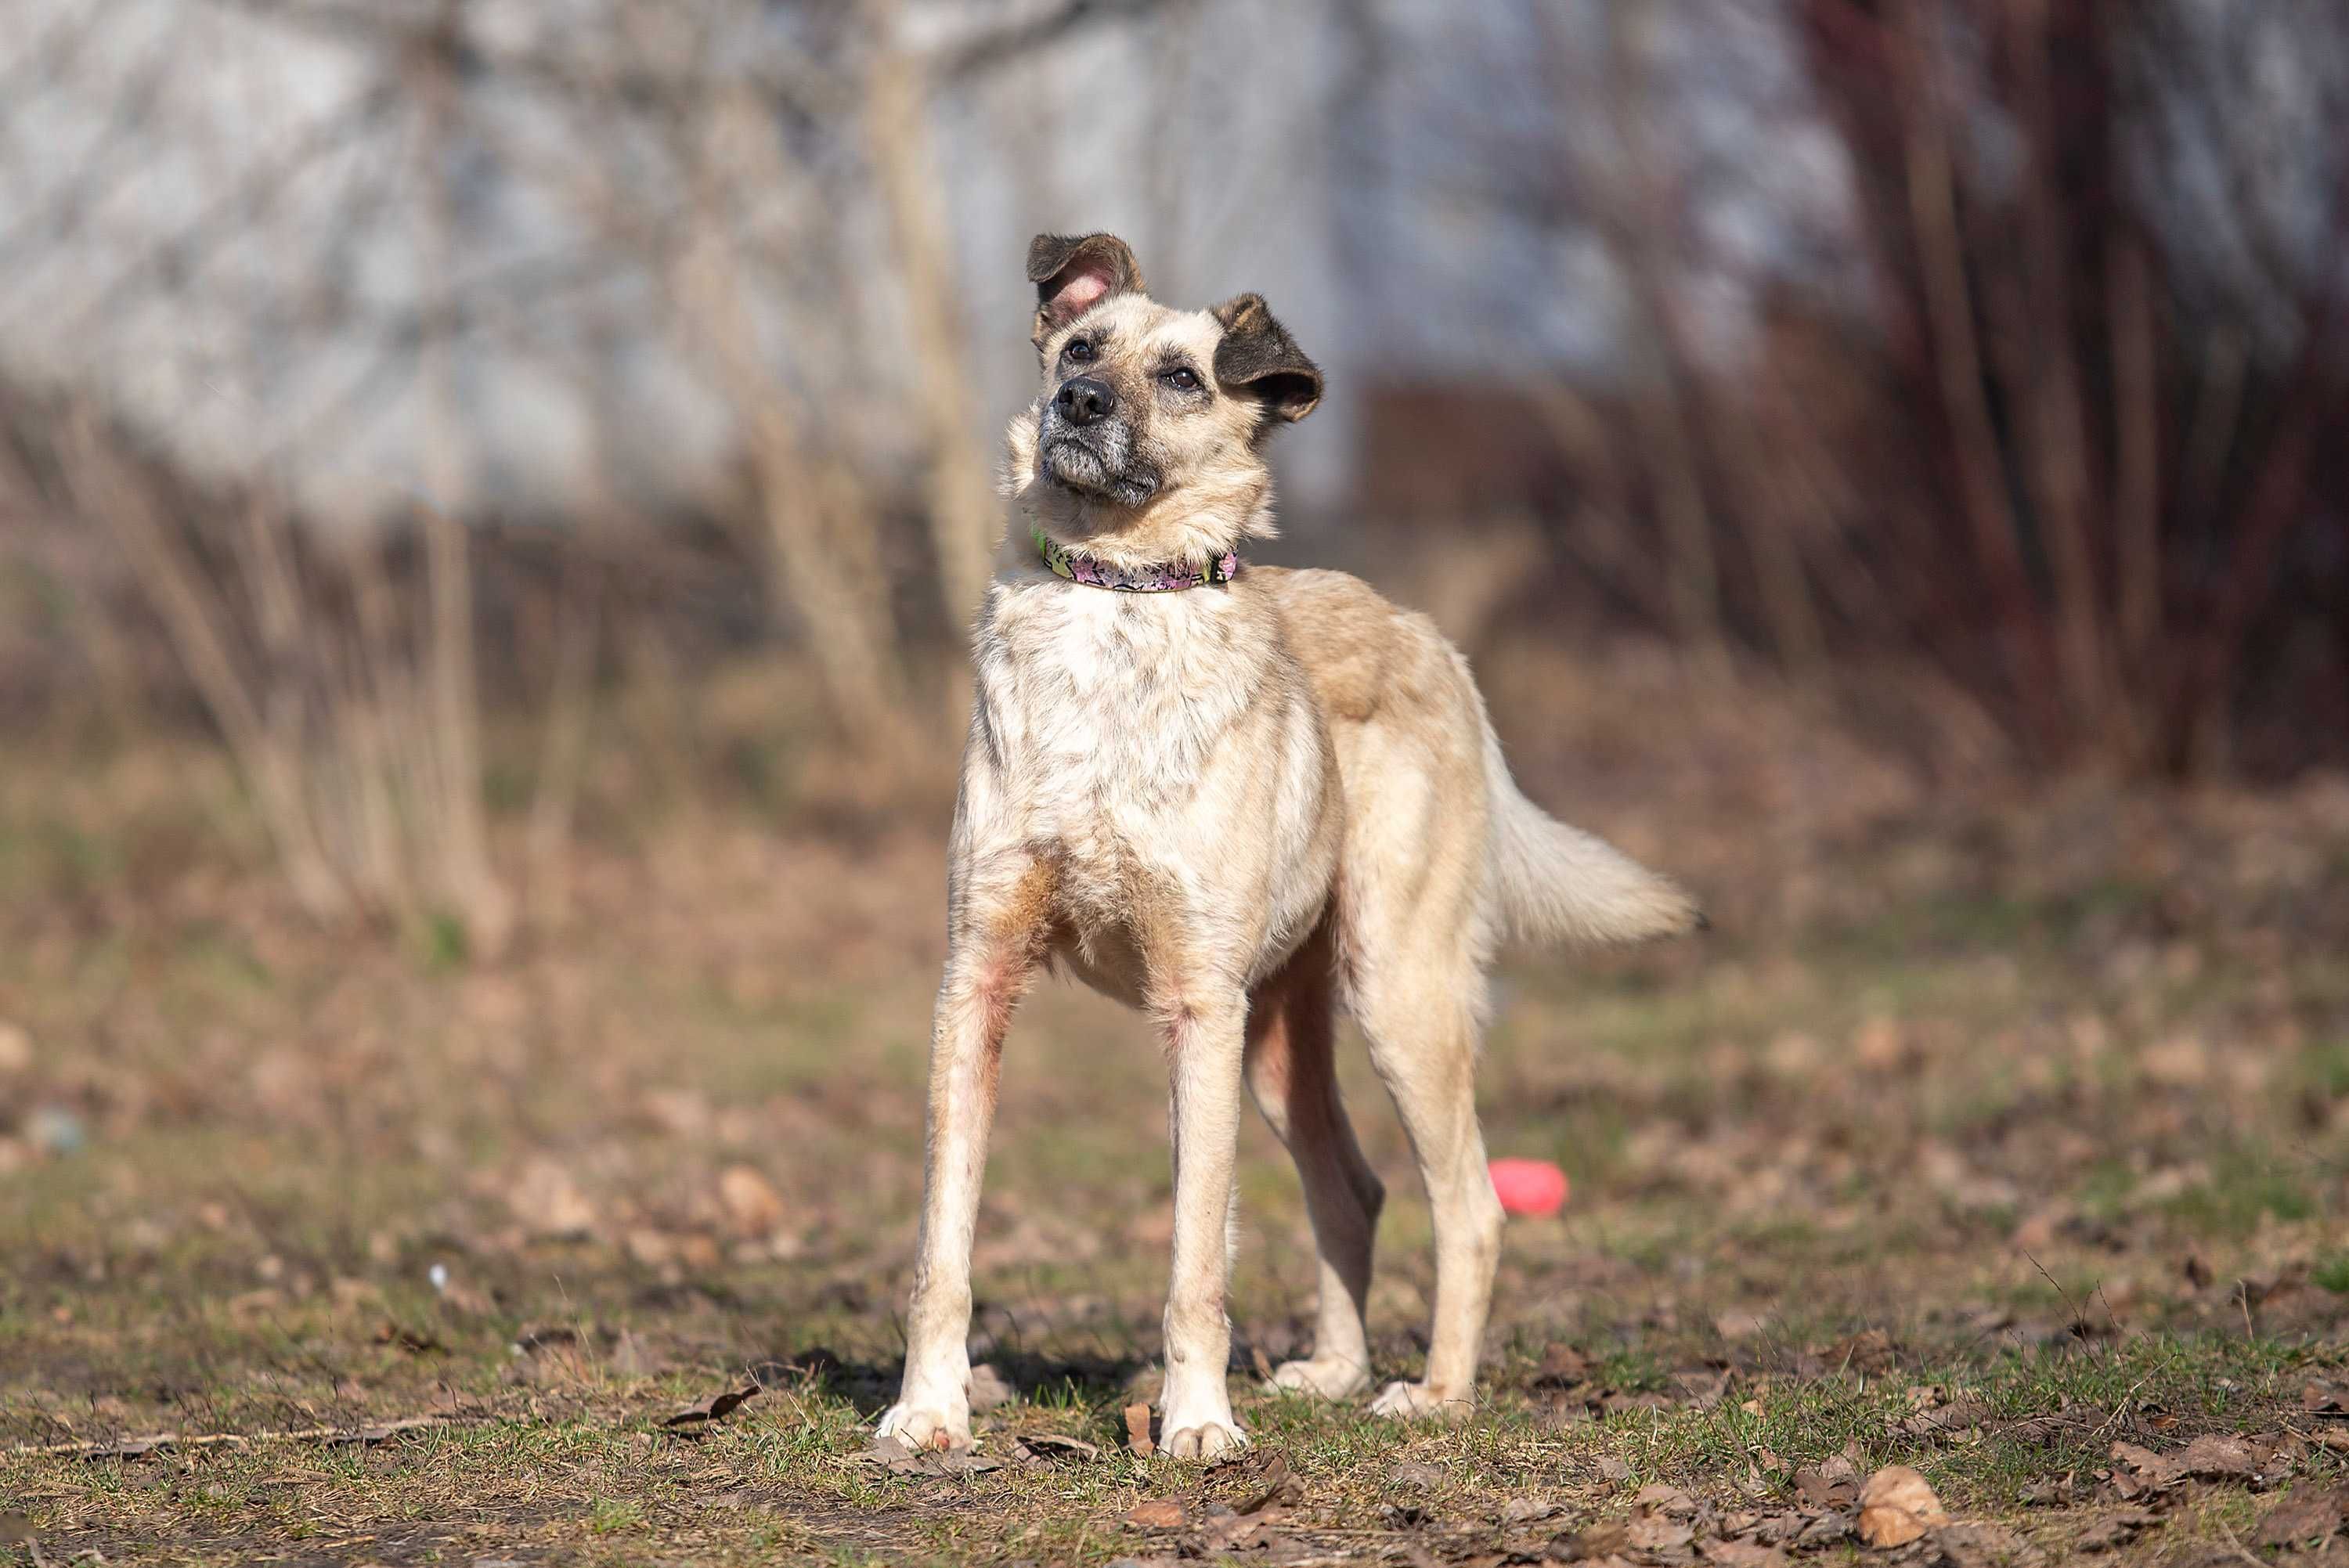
<point x="1075" y="462"/>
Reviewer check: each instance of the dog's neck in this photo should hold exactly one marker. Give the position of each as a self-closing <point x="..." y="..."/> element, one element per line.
<point x="1184" y="527"/>
<point x="1160" y="577"/>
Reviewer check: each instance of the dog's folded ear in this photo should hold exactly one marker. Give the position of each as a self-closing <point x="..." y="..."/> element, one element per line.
<point x="1074" y="273"/>
<point x="1258" y="353"/>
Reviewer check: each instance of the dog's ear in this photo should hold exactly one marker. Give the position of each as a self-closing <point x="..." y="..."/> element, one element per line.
<point x="1073" y="273"/>
<point x="1258" y="353"/>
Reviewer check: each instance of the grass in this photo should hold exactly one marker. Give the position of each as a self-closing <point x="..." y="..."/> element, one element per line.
<point x="1952" y="1113"/>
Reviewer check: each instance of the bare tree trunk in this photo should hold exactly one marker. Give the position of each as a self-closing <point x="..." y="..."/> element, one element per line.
<point x="964" y="519"/>
<point x="2056" y="419"/>
<point x="2136" y="487"/>
<point x="1642" y="215"/>
<point x="1957" y="356"/>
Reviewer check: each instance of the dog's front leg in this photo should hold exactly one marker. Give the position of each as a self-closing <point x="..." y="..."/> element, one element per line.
<point x="1204" y="1045"/>
<point x="991" y="958"/>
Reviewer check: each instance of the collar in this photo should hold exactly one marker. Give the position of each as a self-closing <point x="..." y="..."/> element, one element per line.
<point x="1171" y="578"/>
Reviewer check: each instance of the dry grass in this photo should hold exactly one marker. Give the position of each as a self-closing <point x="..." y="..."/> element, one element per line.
<point x="2030" y="1103"/>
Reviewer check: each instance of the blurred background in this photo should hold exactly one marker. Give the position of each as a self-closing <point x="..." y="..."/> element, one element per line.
<point x="493" y="493"/>
<point x="1974" y="369"/>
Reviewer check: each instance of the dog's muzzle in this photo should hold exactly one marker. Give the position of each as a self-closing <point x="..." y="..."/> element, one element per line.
<point x="1086" y="446"/>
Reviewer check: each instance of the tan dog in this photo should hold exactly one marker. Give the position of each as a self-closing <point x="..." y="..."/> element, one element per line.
<point x="1240" y="809"/>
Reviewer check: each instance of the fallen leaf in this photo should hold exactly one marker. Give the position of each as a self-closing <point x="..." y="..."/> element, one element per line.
<point x="715" y="1408"/>
<point x="2214" y="1457"/>
<point x="2137" y="1470"/>
<point x="1276" y="1485"/>
<point x="900" y="1457"/>
<point x="1898" y="1507"/>
<point x="1662" y="1497"/>
<point x="1945" y="1420"/>
<point x="1833" y="1482"/>
<point x="1047" y="1446"/>
<point x="1158" y="1513"/>
<point x="1137" y="1431"/>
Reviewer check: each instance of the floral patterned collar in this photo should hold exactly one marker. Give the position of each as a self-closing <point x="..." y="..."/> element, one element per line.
<point x="1168" y="579"/>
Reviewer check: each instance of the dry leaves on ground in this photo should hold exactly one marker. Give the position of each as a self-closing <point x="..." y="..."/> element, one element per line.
<point x="899" y="1458"/>
<point x="2258" y="1461"/>
<point x="1158" y="1513"/>
<point x="1832" y="1482"/>
<point x="1050" y="1448"/>
<point x="1898" y="1507"/>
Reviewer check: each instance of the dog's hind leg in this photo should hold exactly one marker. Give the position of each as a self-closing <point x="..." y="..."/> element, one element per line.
<point x="1421" y="1019"/>
<point x="1292" y="1073"/>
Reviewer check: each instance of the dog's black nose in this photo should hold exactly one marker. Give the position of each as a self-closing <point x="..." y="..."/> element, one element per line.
<point x="1082" y="399"/>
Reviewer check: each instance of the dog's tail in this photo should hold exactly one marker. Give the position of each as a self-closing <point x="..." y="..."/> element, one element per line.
<point x="1557" y="883"/>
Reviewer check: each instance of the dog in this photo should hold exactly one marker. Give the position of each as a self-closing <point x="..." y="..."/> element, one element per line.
<point x="1239" y="800"/>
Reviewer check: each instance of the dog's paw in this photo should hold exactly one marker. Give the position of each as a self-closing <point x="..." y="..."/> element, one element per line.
<point x="927" y="1427"/>
<point x="1329" y="1379"/>
<point x="1417" y="1401"/>
<point x="1204" y="1440"/>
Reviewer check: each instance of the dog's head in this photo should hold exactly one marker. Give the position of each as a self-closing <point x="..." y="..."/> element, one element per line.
<point x="1146" y="438"/>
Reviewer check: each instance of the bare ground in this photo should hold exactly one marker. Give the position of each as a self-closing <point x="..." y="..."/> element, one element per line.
<point x="1999" y="1134"/>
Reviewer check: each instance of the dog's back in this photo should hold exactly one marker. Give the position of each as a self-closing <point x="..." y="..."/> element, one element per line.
<point x="1427" y="788"/>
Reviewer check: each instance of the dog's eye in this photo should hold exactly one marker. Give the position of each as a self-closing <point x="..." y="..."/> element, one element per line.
<point x="1183" y="378"/>
<point x="1078" y="350"/>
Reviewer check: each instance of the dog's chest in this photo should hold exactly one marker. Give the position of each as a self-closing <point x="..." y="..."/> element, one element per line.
<point x="1106" y="710"/>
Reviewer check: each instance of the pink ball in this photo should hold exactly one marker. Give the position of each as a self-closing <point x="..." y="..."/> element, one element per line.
<point x="1529" y="1186"/>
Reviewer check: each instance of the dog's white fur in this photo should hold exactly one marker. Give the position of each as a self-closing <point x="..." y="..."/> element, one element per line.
<point x="1238" y="810"/>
